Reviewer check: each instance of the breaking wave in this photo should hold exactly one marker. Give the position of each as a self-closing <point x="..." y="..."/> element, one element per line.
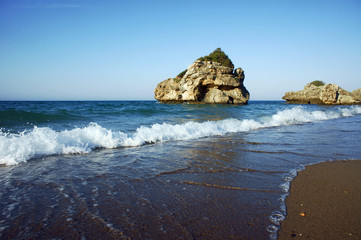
<point x="16" y="148"/>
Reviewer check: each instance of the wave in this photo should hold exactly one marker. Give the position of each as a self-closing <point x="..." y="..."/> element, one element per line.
<point x="16" y="148"/>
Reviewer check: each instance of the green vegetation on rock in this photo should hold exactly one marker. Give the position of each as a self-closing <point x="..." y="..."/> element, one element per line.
<point x="218" y="56"/>
<point x="179" y="76"/>
<point x="318" y="83"/>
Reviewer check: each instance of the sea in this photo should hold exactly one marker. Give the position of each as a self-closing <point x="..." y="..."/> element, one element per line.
<point x="148" y="170"/>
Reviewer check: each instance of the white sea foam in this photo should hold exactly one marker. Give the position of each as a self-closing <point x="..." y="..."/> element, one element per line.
<point x="278" y="216"/>
<point x="43" y="141"/>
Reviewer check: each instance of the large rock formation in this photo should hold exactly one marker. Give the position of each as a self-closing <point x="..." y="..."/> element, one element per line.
<point x="205" y="81"/>
<point x="316" y="93"/>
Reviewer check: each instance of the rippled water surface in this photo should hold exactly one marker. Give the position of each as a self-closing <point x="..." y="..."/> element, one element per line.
<point x="144" y="170"/>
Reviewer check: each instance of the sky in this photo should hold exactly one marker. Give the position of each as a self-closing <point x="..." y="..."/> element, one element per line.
<point x="121" y="49"/>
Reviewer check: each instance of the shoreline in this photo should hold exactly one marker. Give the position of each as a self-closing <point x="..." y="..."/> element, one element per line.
<point x="324" y="202"/>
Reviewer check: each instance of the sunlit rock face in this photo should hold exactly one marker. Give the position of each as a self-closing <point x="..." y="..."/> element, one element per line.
<point x="330" y="94"/>
<point x="205" y="82"/>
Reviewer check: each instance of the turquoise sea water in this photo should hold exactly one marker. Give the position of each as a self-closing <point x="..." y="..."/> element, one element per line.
<point x="145" y="170"/>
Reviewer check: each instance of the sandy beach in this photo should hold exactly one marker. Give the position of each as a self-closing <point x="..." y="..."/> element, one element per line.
<point x="325" y="202"/>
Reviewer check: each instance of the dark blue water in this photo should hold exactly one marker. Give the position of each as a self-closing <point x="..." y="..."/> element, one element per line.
<point x="144" y="170"/>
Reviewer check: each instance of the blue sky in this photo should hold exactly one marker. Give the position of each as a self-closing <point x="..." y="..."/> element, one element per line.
<point x="120" y="50"/>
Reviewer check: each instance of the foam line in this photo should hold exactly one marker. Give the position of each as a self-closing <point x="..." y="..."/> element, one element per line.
<point x="44" y="141"/>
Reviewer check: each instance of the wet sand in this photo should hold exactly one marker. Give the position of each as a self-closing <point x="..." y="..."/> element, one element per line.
<point x="325" y="202"/>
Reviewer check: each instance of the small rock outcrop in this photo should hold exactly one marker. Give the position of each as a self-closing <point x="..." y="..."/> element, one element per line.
<point x="210" y="79"/>
<point x="320" y="93"/>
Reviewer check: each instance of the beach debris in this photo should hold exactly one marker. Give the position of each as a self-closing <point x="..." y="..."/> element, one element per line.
<point x="302" y="214"/>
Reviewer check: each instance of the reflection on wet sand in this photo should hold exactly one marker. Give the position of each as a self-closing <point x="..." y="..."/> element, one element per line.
<point x="197" y="190"/>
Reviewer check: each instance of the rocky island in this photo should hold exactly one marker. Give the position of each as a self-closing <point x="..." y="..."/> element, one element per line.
<point x="210" y="79"/>
<point x="317" y="92"/>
